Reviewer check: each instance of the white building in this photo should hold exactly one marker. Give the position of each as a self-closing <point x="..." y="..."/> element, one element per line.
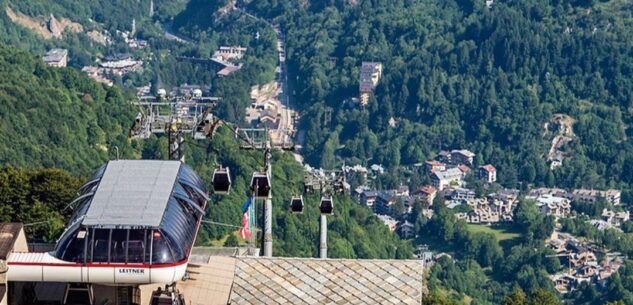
<point x="487" y="173"/>
<point x="451" y="176"/>
<point x="553" y="205"/>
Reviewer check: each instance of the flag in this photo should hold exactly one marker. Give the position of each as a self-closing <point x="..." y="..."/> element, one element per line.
<point x="245" y="230"/>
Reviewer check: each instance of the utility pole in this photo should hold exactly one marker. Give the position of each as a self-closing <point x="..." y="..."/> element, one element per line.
<point x="327" y="182"/>
<point x="259" y="139"/>
<point x="268" y="208"/>
<point x="323" y="237"/>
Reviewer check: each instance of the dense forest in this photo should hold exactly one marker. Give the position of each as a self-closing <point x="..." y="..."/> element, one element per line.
<point x="58" y="117"/>
<point x="458" y="74"/>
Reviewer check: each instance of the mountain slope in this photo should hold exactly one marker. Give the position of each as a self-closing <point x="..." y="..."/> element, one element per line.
<point x="58" y="117"/>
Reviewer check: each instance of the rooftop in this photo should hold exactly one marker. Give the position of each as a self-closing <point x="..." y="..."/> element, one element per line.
<point x="318" y="281"/>
<point x="450" y="173"/>
<point x="220" y="280"/>
<point x="55" y="55"/>
<point x="463" y="152"/>
<point x="132" y="193"/>
<point x="488" y="167"/>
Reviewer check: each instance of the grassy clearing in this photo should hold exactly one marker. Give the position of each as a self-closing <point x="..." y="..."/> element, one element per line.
<point x="501" y="233"/>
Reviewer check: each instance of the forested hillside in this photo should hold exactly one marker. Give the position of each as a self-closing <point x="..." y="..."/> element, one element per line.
<point x="58" y="117"/>
<point x="354" y="232"/>
<point x="460" y="74"/>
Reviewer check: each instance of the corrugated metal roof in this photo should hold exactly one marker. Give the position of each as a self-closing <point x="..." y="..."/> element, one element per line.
<point x="132" y="193"/>
<point x="330" y="281"/>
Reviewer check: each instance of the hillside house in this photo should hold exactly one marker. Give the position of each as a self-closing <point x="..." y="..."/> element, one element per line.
<point x="464" y="169"/>
<point x="444" y="156"/>
<point x="384" y="202"/>
<point x="487" y="173"/>
<point x="462" y="156"/>
<point x="368" y="198"/>
<point x="407" y="230"/>
<point x="432" y="166"/>
<point x="426" y="193"/>
<point x="56" y="58"/>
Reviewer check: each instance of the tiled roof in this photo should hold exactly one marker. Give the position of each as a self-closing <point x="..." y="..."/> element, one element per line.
<point x="488" y="167"/>
<point x="330" y="281"/>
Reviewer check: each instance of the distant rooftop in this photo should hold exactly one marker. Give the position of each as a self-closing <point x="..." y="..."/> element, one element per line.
<point x="118" y="56"/>
<point x="133" y="193"/>
<point x="55" y="55"/>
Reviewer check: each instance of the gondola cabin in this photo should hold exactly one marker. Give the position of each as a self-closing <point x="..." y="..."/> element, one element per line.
<point x="327" y="205"/>
<point x="221" y="181"/>
<point x="135" y="222"/>
<point x="296" y="204"/>
<point x="260" y="185"/>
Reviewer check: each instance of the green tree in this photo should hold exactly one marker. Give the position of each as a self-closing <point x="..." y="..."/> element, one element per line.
<point x="231" y="241"/>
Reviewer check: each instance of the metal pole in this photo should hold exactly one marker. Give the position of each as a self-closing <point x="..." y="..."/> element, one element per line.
<point x="268" y="232"/>
<point x="323" y="237"/>
<point x="268" y="208"/>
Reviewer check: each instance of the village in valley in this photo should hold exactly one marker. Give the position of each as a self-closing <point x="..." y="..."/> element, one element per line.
<point x="472" y="194"/>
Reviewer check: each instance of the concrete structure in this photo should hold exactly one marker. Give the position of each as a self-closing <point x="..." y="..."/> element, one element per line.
<point x="56" y="58"/>
<point x="12" y="239"/>
<point x="229" y="53"/>
<point x="615" y="218"/>
<point x="370" y="74"/>
<point x="451" y="176"/>
<point x="553" y="205"/>
<point x="612" y="196"/>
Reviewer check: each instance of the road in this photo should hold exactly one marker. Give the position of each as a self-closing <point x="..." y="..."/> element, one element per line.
<point x="286" y="131"/>
<point x="171" y="35"/>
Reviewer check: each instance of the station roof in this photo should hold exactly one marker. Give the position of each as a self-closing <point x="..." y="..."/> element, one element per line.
<point x="259" y="280"/>
<point x="132" y="193"/>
